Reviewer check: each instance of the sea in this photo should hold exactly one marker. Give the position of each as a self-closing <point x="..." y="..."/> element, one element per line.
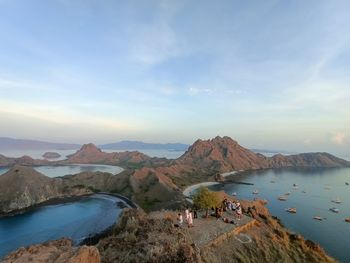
<point x="311" y="192"/>
<point x="76" y="220"/>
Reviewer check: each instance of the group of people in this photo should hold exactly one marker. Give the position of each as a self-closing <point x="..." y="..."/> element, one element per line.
<point x="189" y="216"/>
<point x="228" y="205"/>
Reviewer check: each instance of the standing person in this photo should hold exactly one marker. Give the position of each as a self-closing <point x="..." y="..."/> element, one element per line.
<point x="190" y="220"/>
<point x="180" y="219"/>
<point x="239" y="210"/>
<point x="195" y="212"/>
<point x="187" y="212"/>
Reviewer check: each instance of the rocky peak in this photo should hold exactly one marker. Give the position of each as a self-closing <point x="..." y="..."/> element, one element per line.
<point x="90" y="147"/>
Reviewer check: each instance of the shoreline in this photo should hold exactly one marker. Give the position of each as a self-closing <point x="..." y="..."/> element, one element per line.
<point x="65" y="200"/>
<point x="186" y="192"/>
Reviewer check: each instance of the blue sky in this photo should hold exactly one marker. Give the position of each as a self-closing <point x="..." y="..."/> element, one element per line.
<point x="271" y="74"/>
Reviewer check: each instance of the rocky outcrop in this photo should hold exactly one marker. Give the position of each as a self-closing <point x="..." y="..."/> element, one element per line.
<point x="24" y="160"/>
<point x="51" y="155"/>
<point x="22" y="187"/>
<point x="58" y="251"/>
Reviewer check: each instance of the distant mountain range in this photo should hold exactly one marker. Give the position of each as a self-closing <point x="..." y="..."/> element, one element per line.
<point x="138" y="145"/>
<point x="22" y="144"/>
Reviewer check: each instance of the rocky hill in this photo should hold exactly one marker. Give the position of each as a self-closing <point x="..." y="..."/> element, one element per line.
<point x="222" y="154"/>
<point x="22" y="187"/>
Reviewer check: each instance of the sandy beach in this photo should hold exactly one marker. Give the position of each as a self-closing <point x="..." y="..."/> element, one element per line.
<point x="193" y="187"/>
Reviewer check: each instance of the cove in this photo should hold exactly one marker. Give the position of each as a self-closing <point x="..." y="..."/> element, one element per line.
<point x="312" y="196"/>
<point x="76" y="220"/>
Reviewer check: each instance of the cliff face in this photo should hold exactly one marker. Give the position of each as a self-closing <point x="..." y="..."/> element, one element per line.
<point x="58" y="251"/>
<point x="22" y="187"/>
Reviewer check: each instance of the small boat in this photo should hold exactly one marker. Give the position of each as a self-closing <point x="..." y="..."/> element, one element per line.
<point x="337" y="200"/>
<point x="234" y="194"/>
<point x="335" y="210"/>
<point x="255" y="192"/>
<point x="283" y="198"/>
<point x="288" y="193"/>
<point x="318" y="218"/>
<point x="295" y="185"/>
<point x="304" y="191"/>
<point x="272" y="181"/>
<point x="291" y="210"/>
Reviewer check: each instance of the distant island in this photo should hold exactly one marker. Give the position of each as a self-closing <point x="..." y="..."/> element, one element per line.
<point x="23" y="144"/>
<point x="51" y="155"/>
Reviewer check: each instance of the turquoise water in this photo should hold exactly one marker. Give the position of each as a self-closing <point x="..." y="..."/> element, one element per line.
<point x="54" y="171"/>
<point x="321" y="186"/>
<point x="75" y="220"/>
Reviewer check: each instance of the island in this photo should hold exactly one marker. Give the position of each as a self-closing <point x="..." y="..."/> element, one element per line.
<point x="51" y="155"/>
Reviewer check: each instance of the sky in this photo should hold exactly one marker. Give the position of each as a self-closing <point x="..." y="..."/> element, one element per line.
<point x="270" y="74"/>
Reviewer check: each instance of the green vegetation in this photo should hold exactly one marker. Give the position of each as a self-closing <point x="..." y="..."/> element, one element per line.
<point x="205" y="199"/>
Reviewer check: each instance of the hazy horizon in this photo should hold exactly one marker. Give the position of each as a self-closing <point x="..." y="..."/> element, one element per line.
<point x="269" y="74"/>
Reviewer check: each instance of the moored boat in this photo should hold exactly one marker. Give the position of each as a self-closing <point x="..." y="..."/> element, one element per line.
<point x="335" y="210"/>
<point x="337" y="200"/>
<point x="291" y="210"/>
<point x="318" y="218"/>
<point x="255" y="192"/>
<point x="283" y="198"/>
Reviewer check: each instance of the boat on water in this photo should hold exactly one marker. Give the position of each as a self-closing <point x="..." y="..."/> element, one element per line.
<point x="272" y="181"/>
<point x="327" y="188"/>
<point x="295" y="185"/>
<point x="337" y="200"/>
<point x="335" y="210"/>
<point x="234" y="194"/>
<point x="318" y="218"/>
<point x="287" y="193"/>
<point x="283" y="198"/>
<point x="304" y="191"/>
<point x="291" y="210"/>
<point x="255" y="192"/>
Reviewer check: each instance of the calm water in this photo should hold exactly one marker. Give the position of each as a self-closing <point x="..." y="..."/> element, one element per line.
<point x="54" y="171"/>
<point x="321" y="186"/>
<point x="75" y="220"/>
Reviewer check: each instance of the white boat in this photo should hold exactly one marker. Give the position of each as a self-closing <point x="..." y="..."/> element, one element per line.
<point x="288" y="193"/>
<point x="255" y="192"/>
<point x="283" y="198"/>
<point x="335" y="210"/>
<point x="304" y="191"/>
<point x="234" y="194"/>
<point x="337" y="200"/>
<point x="318" y="218"/>
<point x="291" y="210"/>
